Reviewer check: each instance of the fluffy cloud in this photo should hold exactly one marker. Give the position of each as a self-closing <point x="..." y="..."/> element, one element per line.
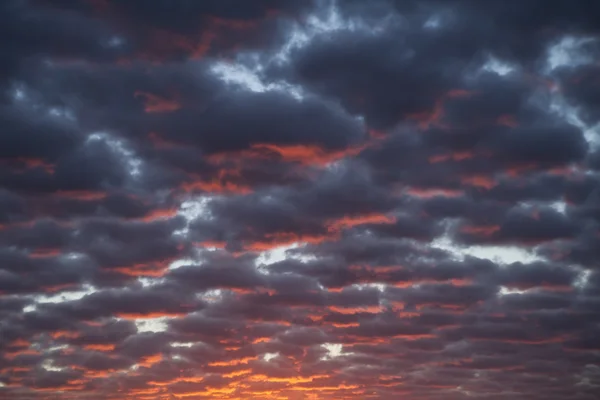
<point x="299" y="200"/>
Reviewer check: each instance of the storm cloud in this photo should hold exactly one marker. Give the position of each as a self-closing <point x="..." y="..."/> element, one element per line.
<point x="300" y="199"/>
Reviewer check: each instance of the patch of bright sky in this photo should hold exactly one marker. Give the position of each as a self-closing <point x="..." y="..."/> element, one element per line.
<point x="59" y="347"/>
<point x="61" y="113"/>
<point x="379" y="286"/>
<point x="115" y="42"/>
<point x="182" y="344"/>
<point x="18" y="94"/>
<point x="119" y="146"/>
<point x="557" y="205"/>
<point x="67" y="295"/>
<point x="560" y="206"/>
<point x="580" y="283"/>
<point x="211" y="296"/>
<point x="269" y="356"/>
<point x="498" y="254"/>
<point x="48" y="365"/>
<point x="183" y="262"/>
<point x="570" y="114"/>
<point x="582" y="279"/>
<point x="192" y="209"/>
<point x="275" y="255"/>
<point x="333" y="350"/>
<point x="322" y="24"/>
<point x="507" y="291"/>
<point x="497" y="66"/>
<point x="433" y="22"/>
<point x="151" y="324"/>
<point x="22" y="96"/>
<point x="148" y="282"/>
<point x="567" y="52"/>
<point x="250" y="79"/>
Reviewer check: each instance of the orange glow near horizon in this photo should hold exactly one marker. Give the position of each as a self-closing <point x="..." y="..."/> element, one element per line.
<point x="299" y="200"/>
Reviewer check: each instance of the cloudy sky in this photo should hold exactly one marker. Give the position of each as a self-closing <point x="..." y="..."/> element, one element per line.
<point x="298" y="199"/>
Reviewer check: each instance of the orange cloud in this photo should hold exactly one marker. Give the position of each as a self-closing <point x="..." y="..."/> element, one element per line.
<point x="44" y="253"/>
<point x="349" y="222"/>
<point x="157" y="104"/>
<point x="82" y="195"/>
<point x="141" y="315"/>
<point x="282" y="239"/>
<point x="507" y="120"/>
<point x="236" y="361"/>
<point x="480" y="181"/>
<point x="483" y="230"/>
<point x="360" y="309"/>
<point x="303" y="154"/>
<point x="434" y="117"/>
<point x="457" y="156"/>
<point x="22" y="164"/>
<point x="427" y="193"/>
<point x="159" y="214"/>
<point x="216" y="186"/>
<point x="99" y="347"/>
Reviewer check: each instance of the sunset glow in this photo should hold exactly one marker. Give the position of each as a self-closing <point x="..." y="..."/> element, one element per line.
<point x="300" y="199"/>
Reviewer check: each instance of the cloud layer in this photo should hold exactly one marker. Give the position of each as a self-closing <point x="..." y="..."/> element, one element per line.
<point x="300" y="200"/>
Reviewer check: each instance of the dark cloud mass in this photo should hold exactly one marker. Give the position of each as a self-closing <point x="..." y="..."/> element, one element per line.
<point x="320" y="199"/>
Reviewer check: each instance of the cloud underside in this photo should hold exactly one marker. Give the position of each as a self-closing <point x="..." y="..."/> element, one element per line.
<point x="299" y="200"/>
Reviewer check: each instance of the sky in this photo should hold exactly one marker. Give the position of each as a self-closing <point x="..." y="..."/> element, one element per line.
<point x="300" y="199"/>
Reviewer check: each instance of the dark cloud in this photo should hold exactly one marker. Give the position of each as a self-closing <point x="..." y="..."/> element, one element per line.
<point x="237" y="120"/>
<point x="285" y="199"/>
<point x="31" y="34"/>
